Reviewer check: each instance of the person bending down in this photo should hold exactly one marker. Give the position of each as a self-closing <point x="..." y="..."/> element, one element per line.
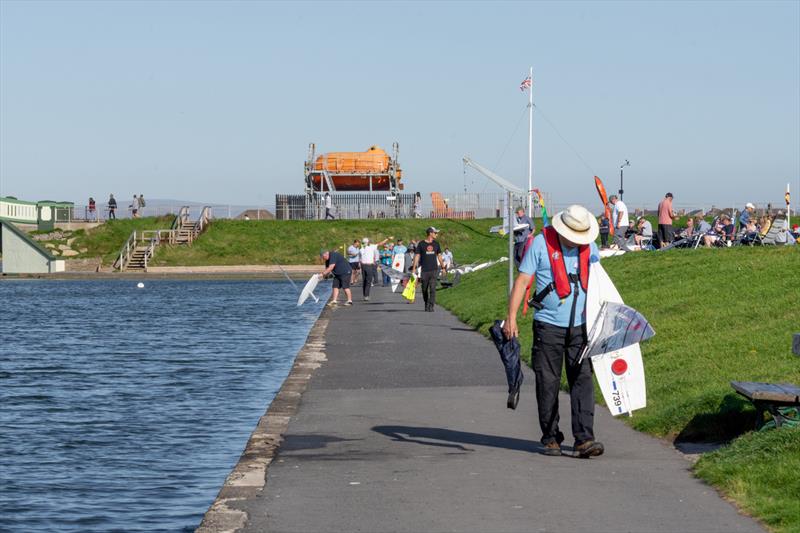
<point x="336" y="264"/>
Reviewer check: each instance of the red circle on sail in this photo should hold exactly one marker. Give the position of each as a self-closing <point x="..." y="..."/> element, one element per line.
<point x="619" y="367"/>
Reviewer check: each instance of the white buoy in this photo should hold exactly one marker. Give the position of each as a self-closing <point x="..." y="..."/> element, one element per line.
<point x="140" y="285"/>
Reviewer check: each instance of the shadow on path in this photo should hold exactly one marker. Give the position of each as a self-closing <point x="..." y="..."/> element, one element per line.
<point x="450" y="438"/>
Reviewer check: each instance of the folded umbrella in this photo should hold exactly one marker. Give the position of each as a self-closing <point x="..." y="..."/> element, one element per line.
<point x="509" y="353"/>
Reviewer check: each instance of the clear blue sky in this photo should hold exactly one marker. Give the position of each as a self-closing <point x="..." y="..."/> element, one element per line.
<point x="217" y="101"/>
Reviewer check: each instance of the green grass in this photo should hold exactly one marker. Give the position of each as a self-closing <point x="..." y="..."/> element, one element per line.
<point x="719" y="315"/>
<point x="238" y="242"/>
<point x="760" y="472"/>
<point x="106" y="240"/>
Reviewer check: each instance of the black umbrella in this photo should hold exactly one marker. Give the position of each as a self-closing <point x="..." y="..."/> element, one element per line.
<point x="509" y="354"/>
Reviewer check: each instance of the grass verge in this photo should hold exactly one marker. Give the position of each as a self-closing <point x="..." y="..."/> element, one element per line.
<point x="239" y="242"/>
<point x="759" y="471"/>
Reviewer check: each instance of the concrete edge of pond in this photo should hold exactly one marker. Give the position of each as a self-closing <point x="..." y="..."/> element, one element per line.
<point x="249" y="475"/>
<point x="223" y="272"/>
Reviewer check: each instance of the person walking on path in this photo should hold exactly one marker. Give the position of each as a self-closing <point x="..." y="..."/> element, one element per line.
<point x="353" y="259"/>
<point x="665" y="217"/>
<point x="429" y="257"/>
<point x="559" y="260"/>
<point x="329" y="207"/>
<point x="336" y="264"/>
<point x="142" y="205"/>
<point x="112" y="207"/>
<point x="521" y="235"/>
<point x="386" y="263"/>
<point x="135" y="207"/>
<point x="369" y="257"/>
<point x="619" y="217"/>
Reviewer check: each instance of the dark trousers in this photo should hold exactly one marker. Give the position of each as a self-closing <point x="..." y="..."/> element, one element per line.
<point x="665" y="234"/>
<point x="604" y="239"/>
<point x="551" y="347"/>
<point x="328" y="214"/>
<point x="519" y="252"/>
<point x="429" y="288"/>
<point x="368" y="273"/>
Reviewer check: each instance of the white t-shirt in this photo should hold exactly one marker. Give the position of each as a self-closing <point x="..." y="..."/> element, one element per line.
<point x="352" y="254"/>
<point x="369" y="254"/>
<point x="622" y="209"/>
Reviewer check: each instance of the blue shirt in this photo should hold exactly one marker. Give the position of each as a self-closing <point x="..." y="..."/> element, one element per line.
<point x="522" y="235"/>
<point x="537" y="263"/>
<point x="399" y="249"/>
<point x="744" y="218"/>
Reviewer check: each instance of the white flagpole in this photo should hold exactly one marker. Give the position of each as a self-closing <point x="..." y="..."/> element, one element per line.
<point x="530" y="146"/>
<point x="788" y="209"/>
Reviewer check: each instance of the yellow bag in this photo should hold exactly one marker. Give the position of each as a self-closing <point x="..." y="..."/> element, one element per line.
<point x="411" y="289"/>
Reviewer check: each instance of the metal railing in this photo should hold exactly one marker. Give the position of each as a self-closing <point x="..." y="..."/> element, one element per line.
<point x="159" y="235"/>
<point x="150" y="251"/>
<point x="202" y="221"/>
<point x="350" y="206"/>
<point x="181" y="218"/>
<point x="125" y="253"/>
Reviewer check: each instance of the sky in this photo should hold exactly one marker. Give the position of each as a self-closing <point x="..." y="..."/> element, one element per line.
<point x="218" y="101"/>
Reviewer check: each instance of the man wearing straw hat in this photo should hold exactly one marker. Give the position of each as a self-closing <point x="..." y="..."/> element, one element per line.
<point x="559" y="259"/>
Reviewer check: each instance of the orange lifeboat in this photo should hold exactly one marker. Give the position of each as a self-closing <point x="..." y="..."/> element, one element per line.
<point x="372" y="170"/>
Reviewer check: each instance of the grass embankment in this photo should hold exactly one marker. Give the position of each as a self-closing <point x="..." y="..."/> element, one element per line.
<point x="106" y="239"/>
<point x="238" y="242"/>
<point x="720" y="315"/>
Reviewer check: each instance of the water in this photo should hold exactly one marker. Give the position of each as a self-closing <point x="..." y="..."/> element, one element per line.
<point x="125" y="409"/>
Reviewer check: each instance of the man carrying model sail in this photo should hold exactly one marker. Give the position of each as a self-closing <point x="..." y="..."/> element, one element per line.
<point x="559" y="259"/>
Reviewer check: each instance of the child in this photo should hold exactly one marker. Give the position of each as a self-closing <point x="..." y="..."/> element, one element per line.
<point x="604" y="230"/>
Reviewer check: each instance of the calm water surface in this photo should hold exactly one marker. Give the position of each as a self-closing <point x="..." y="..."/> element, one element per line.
<point x="124" y="409"/>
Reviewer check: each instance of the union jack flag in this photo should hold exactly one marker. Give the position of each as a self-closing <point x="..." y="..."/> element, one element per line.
<point x="526" y="84"/>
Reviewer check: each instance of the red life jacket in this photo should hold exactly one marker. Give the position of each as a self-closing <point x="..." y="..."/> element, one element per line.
<point x="559" y="268"/>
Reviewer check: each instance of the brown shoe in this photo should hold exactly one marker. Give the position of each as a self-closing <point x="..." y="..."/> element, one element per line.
<point x="552" y="449"/>
<point x="589" y="448"/>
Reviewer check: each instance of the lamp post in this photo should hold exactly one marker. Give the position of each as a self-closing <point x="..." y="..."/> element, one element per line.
<point x="623" y="165"/>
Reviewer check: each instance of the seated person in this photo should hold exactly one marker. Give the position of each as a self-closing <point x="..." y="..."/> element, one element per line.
<point x="687" y="231"/>
<point x="729" y="230"/>
<point x="644" y="232"/>
<point x="750" y="231"/>
<point x="717" y="232"/>
<point x="701" y="226"/>
<point x="764" y="224"/>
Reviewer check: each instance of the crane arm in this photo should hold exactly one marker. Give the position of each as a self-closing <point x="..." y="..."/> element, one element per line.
<point x="501" y="182"/>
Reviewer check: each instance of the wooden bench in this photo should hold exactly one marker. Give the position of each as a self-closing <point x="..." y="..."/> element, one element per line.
<point x="768" y="397"/>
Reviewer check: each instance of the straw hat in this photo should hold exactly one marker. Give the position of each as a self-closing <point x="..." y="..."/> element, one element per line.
<point x="576" y="224"/>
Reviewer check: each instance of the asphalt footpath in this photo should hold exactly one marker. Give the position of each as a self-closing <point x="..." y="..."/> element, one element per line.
<point x="405" y="428"/>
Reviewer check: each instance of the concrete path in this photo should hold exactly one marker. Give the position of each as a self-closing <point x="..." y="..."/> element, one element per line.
<point x="405" y="428"/>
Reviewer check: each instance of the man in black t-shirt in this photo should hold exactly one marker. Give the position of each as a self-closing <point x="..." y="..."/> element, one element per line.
<point x="336" y="264"/>
<point x="429" y="257"/>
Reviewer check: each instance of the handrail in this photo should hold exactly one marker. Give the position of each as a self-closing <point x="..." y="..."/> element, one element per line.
<point x="125" y="252"/>
<point x="159" y="235"/>
<point x="181" y="218"/>
<point x="151" y="248"/>
<point x="202" y="221"/>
